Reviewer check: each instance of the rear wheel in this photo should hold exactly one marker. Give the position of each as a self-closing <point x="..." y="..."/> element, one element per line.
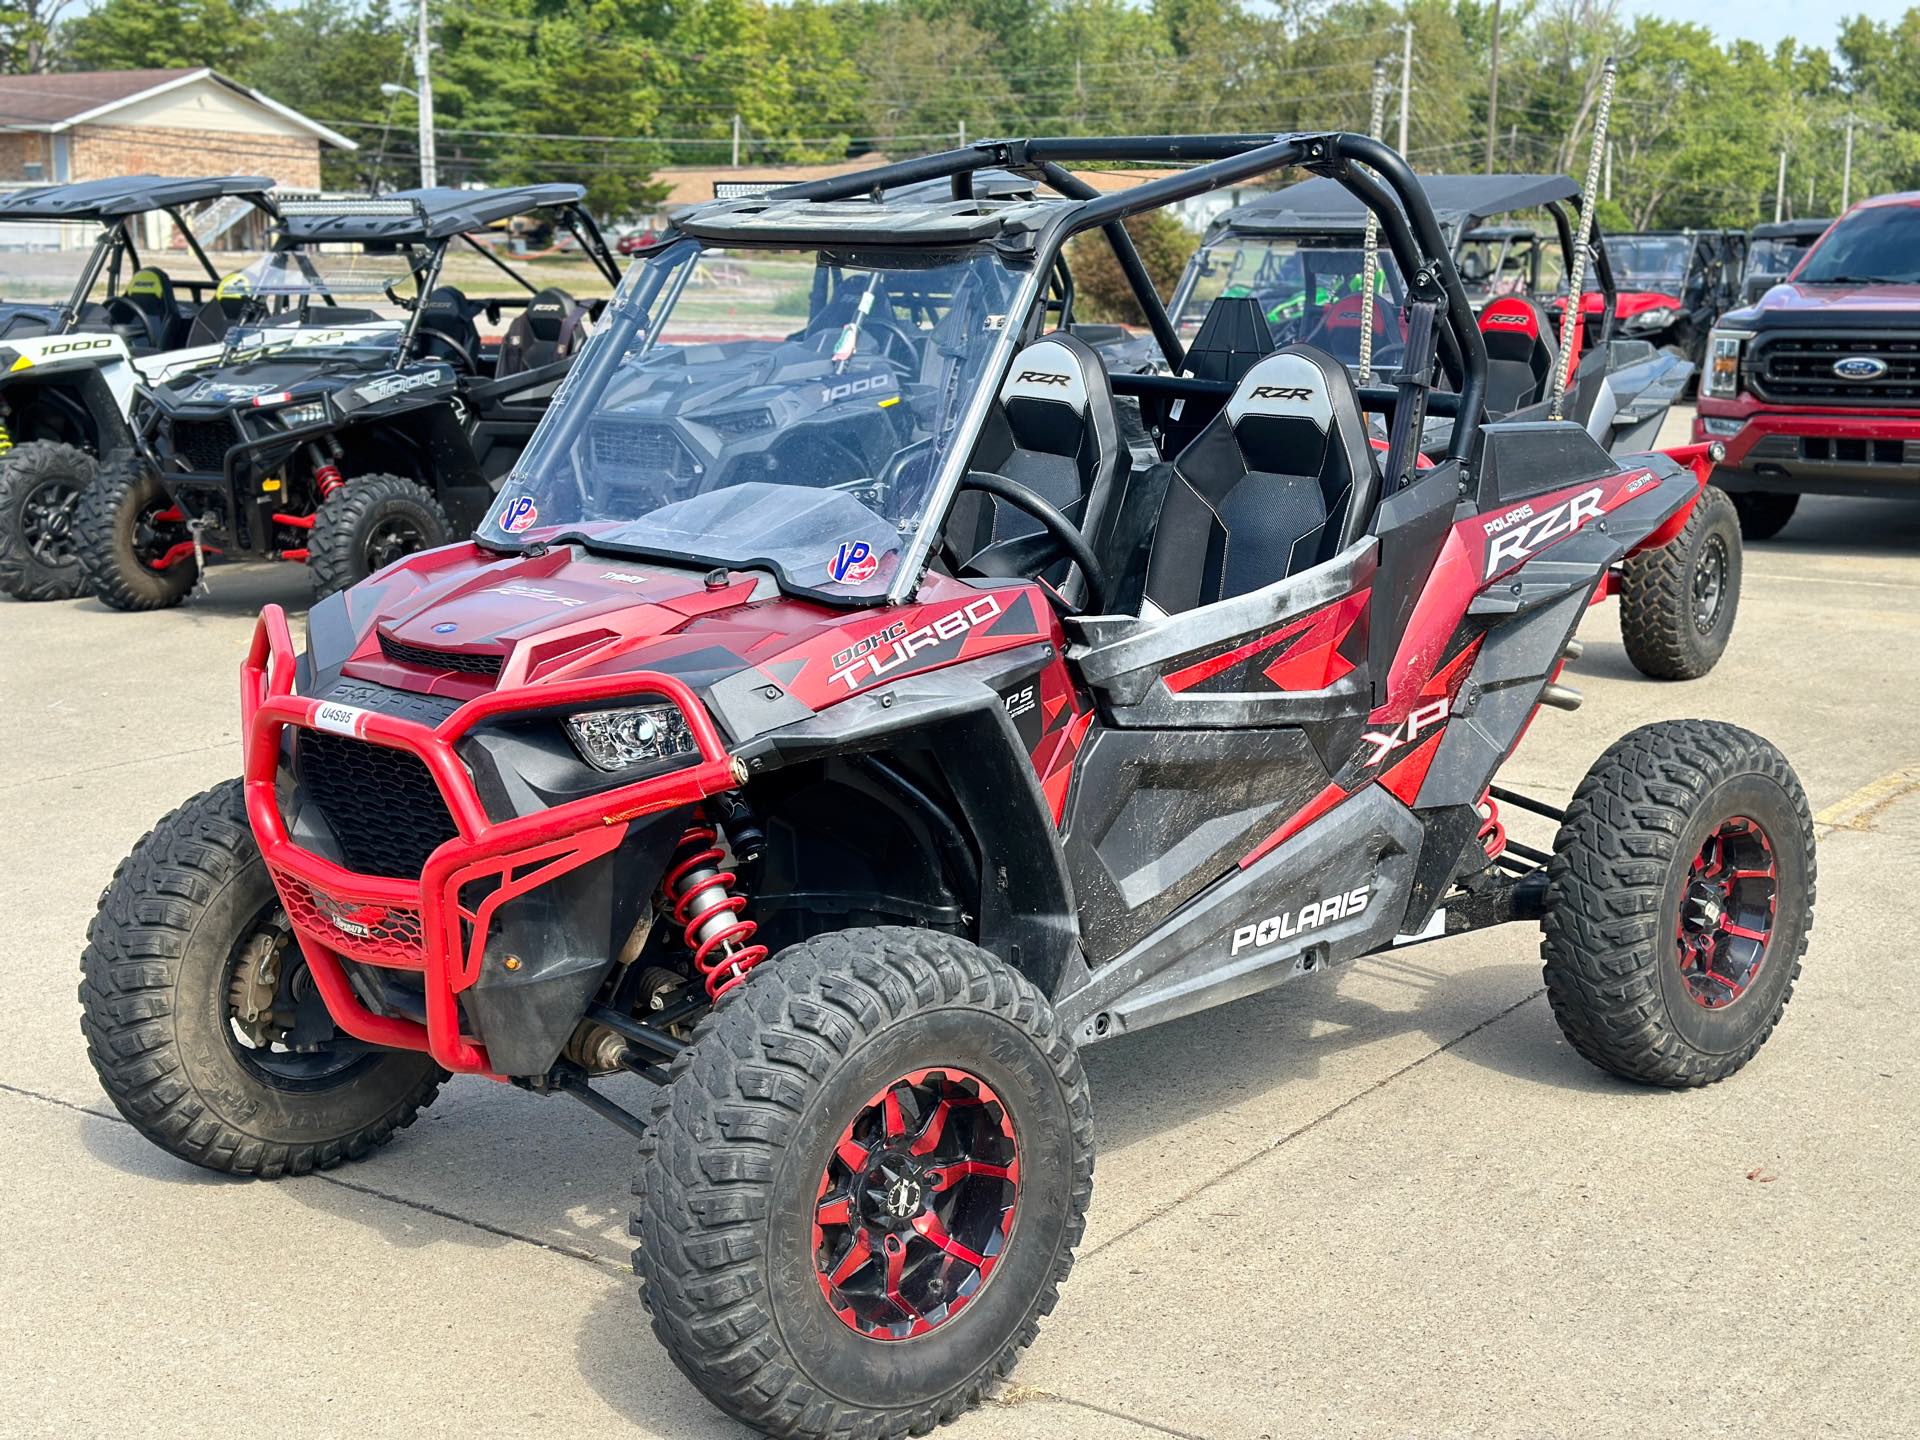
<point x="368" y="524"/>
<point x="41" y="483"/>
<point x="883" y="1137"/>
<point x="133" y="543"/>
<point x="202" y="1020"/>
<point x="1678" y="602"/>
<point x="1763" y="515"/>
<point x="1679" y="903"/>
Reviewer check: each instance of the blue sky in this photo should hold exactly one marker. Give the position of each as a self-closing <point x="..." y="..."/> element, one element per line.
<point x="1812" y="22"/>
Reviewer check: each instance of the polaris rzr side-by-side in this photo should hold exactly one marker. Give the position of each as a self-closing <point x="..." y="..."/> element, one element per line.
<point x="1288" y="266"/>
<point x="85" y="314"/>
<point x="834" y="801"/>
<point x="1675" y="283"/>
<point x="354" y="414"/>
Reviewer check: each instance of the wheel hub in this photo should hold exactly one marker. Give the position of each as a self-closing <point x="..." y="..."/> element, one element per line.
<point x="46" y="522"/>
<point x="1727" y="911"/>
<point x="1709" y="584"/>
<point x="916" y="1204"/>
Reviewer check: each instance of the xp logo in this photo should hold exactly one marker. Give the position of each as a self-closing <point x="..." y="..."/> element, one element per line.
<point x="521" y="514"/>
<point x="1383" y="742"/>
<point x="852" y="563"/>
<point x="1040" y="377"/>
<point x="1860" y="367"/>
<point x="1281" y="392"/>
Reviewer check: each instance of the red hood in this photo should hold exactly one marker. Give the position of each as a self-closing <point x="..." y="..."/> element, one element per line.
<point x="523" y="621"/>
<point x="1631" y="302"/>
<point x="1883" y="299"/>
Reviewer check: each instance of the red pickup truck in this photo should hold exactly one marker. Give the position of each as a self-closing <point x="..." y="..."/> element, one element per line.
<point x="1814" y="389"/>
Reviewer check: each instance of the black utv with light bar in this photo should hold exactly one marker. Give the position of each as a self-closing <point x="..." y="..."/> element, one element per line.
<point x="354" y="414"/>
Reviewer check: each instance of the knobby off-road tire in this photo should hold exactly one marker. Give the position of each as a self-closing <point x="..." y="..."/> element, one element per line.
<point x="1678" y="602"/>
<point x="1635" y="879"/>
<point x="119" y="541"/>
<point x="369" y="523"/>
<point x="1764" y="515"/>
<point x="738" y="1178"/>
<point x="155" y="999"/>
<point x="41" y="483"/>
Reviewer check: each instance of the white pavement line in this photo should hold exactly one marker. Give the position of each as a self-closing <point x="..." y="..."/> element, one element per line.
<point x="1830" y="580"/>
<point x="1017" y="1396"/>
<point x="598" y="1261"/>
<point x="1167" y="1209"/>
<point x="1859" y="810"/>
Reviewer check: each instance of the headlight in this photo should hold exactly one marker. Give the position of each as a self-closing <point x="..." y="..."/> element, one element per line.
<point x="1722" y="379"/>
<point x="311" y="412"/>
<point x="620" y="739"/>
<point x="740" y="422"/>
<point x="1654" y="319"/>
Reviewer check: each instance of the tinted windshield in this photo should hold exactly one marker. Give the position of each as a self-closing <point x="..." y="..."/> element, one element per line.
<point x="333" y="297"/>
<point x="1309" y="290"/>
<point x="1881" y="244"/>
<point x="1650" y="257"/>
<point x="1775" y="257"/>
<point x="785" y="408"/>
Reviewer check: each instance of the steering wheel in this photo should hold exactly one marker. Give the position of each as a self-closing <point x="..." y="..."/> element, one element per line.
<point x="891" y="341"/>
<point x="1025" y="556"/>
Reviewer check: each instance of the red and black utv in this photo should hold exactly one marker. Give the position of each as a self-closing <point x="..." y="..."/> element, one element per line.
<point x="834" y="796"/>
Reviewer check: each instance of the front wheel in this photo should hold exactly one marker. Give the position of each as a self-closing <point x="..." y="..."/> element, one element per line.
<point x="369" y="523"/>
<point x="1678" y="602"/>
<point x="1679" y="901"/>
<point x="133" y="542"/>
<point x="203" y="1024"/>
<point x="41" y="483"/>
<point x="883" y="1137"/>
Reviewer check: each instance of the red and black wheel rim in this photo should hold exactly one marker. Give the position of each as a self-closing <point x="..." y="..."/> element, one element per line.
<point x="1727" y="913"/>
<point x="916" y="1204"/>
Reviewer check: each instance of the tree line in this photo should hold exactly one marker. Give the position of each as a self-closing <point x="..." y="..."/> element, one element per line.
<point x="609" y="91"/>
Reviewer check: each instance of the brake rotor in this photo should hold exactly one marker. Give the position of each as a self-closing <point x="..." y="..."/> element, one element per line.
<point x="255" y="987"/>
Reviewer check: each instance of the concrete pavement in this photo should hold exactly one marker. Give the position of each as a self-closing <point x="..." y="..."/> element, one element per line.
<point x="1386" y="1203"/>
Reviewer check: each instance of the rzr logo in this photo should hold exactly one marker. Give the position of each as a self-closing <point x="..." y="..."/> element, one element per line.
<point x="1384" y="742"/>
<point x="1524" y="321"/>
<point x="345" y="916"/>
<point x="877" y="662"/>
<point x="1523" y="540"/>
<point x="1310" y="917"/>
<point x="1281" y="392"/>
<point x="1039" y="377"/>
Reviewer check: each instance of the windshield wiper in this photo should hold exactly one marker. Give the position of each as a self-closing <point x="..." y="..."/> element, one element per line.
<point x="1853" y="280"/>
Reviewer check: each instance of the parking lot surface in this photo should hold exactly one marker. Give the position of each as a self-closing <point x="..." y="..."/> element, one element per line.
<point x="1387" y="1202"/>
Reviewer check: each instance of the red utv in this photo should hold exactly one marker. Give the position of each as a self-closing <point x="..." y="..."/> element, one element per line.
<point x="806" y="813"/>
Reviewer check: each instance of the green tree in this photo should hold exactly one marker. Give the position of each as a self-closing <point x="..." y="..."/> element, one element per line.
<point x="163" y="35"/>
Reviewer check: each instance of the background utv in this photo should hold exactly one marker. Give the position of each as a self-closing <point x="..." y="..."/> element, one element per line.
<point x="838" y="810"/>
<point x="347" y="422"/>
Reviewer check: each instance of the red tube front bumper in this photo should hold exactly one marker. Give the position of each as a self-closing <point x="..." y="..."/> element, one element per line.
<point x="423" y="925"/>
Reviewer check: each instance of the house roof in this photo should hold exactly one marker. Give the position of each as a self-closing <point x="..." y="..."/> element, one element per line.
<point x="55" y="103"/>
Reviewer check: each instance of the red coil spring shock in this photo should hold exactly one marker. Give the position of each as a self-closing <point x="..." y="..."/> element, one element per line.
<point x="701" y="899"/>
<point x="329" y="479"/>
<point x="1493" y="835"/>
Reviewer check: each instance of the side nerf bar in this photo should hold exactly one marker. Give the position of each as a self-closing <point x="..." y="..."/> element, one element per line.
<point x="550" y="841"/>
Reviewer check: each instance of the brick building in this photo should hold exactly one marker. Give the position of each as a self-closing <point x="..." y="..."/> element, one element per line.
<point x="99" y="124"/>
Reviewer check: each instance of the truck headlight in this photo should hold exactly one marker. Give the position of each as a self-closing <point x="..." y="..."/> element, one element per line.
<point x="620" y="739"/>
<point x="1722" y="380"/>
<point x="1657" y="318"/>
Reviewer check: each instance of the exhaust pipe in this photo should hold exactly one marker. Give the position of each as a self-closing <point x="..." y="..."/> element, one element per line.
<point x="1561" y="697"/>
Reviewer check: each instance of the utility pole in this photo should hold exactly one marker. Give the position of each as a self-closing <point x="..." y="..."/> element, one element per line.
<point x="1493" y="88"/>
<point x="1846" y="174"/>
<point x="423" y="76"/>
<point x="1406" y="84"/>
<point x="1780" y="191"/>
<point x="736" y="142"/>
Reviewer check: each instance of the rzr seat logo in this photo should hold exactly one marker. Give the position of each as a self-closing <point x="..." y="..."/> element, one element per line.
<point x="858" y="666"/>
<point x="1040" y="377"/>
<point x="1523" y="321"/>
<point x="1517" y="535"/>
<point x="1281" y="392"/>
<point x="1275" y="928"/>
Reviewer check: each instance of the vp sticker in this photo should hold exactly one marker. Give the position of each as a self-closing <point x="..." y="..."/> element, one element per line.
<point x="853" y="562"/>
<point x="521" y="514"/>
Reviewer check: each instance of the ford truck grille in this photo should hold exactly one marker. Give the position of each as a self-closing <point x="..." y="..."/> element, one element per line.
<point x="1798" y="369"/>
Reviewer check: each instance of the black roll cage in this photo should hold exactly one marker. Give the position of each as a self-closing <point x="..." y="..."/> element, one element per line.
<point x="1372" y="172"/>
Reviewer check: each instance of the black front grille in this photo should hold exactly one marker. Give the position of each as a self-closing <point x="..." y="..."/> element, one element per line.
<point x="203" y="444"/>
<point x="1836" y="450"/>
<point x="1799" y="368"/>
<point x="381" y="804"/>
<point x="643" y="449"/>
<point x="467" y="662"/>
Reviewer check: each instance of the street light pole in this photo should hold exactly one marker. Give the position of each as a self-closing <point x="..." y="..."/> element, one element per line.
<point x="423" y="75"/>
<point x="1846" y="174"/>
<point x="1493" y="88"/>
<point x="1406" y="85"/>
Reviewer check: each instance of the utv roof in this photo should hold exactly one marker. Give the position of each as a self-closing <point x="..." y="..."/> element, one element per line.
<point x="124" y="195"/>
<point x="1790" y="230"/>
<point x="1460" y="202"/>
<point x="892" y="219"/>
<point x="403" y="215"/>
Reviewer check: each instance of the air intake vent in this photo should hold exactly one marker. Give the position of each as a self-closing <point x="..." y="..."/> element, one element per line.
<point x="466" y="662"/>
